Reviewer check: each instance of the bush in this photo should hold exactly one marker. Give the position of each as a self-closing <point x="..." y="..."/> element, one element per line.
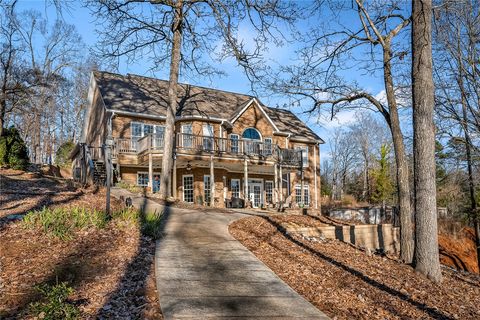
<point x="61" y="156"/>
<point x="54" y="303"/>
<point x="63" y="222"/>
<point x="13" y="151"/>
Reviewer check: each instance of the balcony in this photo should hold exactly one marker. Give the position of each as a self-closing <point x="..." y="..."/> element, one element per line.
<point x="197" y="144"/>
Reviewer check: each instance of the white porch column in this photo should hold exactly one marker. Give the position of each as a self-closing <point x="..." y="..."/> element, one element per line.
<point x="319" y="181"/>
<point x="275" y="184"/>
<point x="245" y="183"/>
<point x="281" y="183"/>
<point x="212" y="182"/>
<point x="150" y="171"/>
<point x="174" y="179"/>
<point x="315" y="175"/>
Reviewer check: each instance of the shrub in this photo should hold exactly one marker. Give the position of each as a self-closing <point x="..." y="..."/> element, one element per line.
<point x="61" y="156"/>
<point x="63" y="222"/>
<point x="13" y="151"/>
<point x="54" y="303"/>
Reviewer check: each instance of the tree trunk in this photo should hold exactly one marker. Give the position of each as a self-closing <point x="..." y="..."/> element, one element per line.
<point x="169" y="144"/>
<point x="426" y="237"/>
<point x="403" y="188"/>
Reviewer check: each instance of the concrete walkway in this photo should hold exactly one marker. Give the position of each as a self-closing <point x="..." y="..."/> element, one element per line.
<point x="204" y="273"/>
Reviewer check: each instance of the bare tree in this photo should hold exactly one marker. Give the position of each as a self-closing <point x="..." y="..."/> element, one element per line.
<point x="176" y="33"/>
<point x="426" y="235"/>
<point x="330" y="53"/>
<point x="456" y="74"/>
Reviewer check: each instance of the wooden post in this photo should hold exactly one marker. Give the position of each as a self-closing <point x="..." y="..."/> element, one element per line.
<point x="212" y="182"/>
<point x="150" y="171"/>
<point x="302" y="191"/>
<point x="315" y="175"/>
<point x="245" y="177"/>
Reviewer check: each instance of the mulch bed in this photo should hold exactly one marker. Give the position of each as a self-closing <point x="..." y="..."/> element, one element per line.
<point x="346" y="283"/>
<point x="111" y="269"/>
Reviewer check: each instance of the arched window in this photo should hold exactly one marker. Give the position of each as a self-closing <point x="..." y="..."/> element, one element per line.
<point x="252" y="134"/>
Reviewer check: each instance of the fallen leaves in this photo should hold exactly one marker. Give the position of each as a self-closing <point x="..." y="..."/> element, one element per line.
<point x="345" y="283"/>
<point x="111" y="269"/>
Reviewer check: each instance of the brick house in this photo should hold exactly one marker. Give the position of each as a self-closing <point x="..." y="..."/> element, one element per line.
<point x="229" y="148"/>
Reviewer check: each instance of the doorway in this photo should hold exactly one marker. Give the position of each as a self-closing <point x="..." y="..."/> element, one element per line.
<point x="255" y="192"/>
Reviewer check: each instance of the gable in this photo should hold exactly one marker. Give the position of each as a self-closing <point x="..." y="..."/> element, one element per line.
<point x="253" y="117"/>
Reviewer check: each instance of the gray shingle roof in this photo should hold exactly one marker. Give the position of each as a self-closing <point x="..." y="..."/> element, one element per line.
<point x="138" y="94"/>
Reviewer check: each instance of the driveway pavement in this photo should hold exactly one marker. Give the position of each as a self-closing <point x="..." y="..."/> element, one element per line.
<point x="202" y="272"/>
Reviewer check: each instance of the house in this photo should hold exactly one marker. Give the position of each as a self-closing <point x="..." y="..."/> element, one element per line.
<point x="229" y="147"/>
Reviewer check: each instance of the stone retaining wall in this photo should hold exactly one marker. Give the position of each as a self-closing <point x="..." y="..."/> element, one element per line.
<point x="374" y="237"/>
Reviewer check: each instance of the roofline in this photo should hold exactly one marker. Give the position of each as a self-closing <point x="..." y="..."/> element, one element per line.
<point x="155" y="117"/>
<point x="261" y="109"/>
<point x="319" y="141"/>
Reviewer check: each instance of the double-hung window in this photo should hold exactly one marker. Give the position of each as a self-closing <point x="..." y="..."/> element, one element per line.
<point x="187" y="136"/>
<point x="206" y="189"/>
<point x="137" y="133"/>
<point x="188" y="188"/>
<point x="207" y="137"/>
<point x="304" y="150"/>
<point x="298" y="195"/>
<point x="234" y="146"/>
<point x="269" y="191"/>
<point x="235" y="187"/>
<point x="267" y="147"/>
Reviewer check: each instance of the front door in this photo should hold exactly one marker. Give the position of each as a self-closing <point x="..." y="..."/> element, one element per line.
<point x="255" y="193"/>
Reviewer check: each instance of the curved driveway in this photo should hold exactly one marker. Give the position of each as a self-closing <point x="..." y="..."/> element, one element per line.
<point x="202" y="272"/>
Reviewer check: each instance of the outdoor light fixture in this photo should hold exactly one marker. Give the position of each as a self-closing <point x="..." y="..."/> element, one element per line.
<point x="189" y="166"/>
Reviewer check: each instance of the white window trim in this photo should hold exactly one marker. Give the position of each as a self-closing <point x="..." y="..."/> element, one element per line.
<point x="305" y="187"/>
<point x="183" y="186"/>
<point x="142" y="126"/>
<point x="265" y="189"/>
<point x="205" y="188"/>
<point x="239" y="186"/>
<point x="259" y="133"/>
<point x="145" y="172"/>
<point x="304" y="148"/>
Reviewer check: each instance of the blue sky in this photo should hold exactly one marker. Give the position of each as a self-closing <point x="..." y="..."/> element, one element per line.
<point x="235" y="80"/>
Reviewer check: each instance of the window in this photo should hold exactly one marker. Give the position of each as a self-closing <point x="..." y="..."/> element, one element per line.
<point x="137" y="129"/>
<point x="268" y="146"/>
<point x="187" y="136"/>
<point x="158" y="137"/>
<point x="142" y="179"/>
<point x="298" y="195"/>
<point x="234" y="147"/>
<point x="188" y="188"/>
<point x="207" y="137"/>
<point x="235" y="186"/>
<point x="252" y="134"/>
<point x="304" y="155"/>
<point x="140" y="130"/>
<point x="269" y="191"/>
<point x="147" y="129"/>
<point x="206" y="189"/>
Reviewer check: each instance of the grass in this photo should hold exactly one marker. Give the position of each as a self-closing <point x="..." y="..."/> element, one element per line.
<point x="62" y="223"/>
<point x="151" y="224"/>
<point x="54" y="303"/>
<point x="130" y="187"/>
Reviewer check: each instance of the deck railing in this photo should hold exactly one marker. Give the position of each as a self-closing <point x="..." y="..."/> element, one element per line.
<point x="191" y="143"/>
<point x="198" y="143"/>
